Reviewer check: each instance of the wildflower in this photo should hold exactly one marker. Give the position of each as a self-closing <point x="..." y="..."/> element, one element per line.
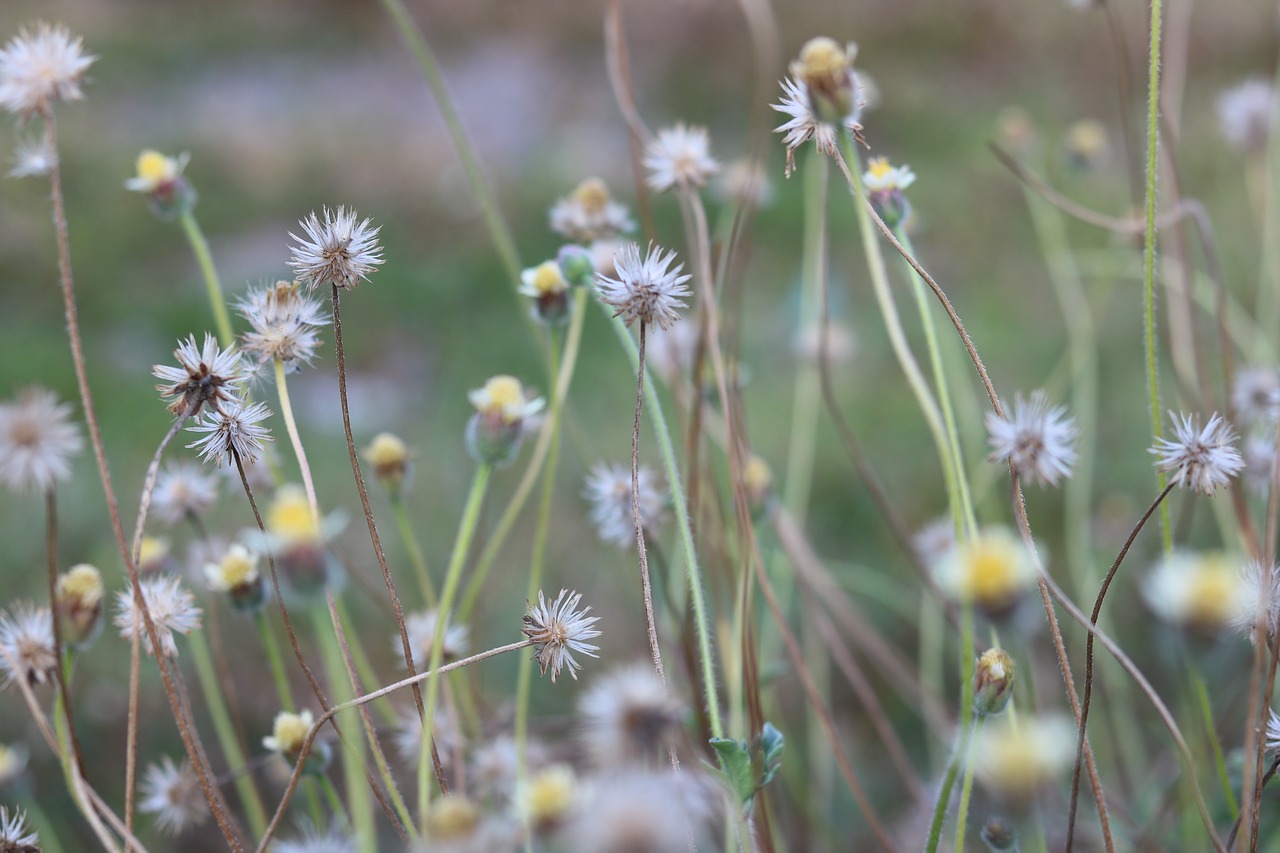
<point x="289" y="734"/>
<point x="33" y="157"/>
<point x="452" y="817"/>
<point x="993" y="570"/>
<point x="651" y="811"/>
<point x="608" y="490"/>
<point x="27" y="650"/>
<point x="548" y="796"/>
<point x="494" y="765"/>
<point x="497" y="428"/>
<point x="172" y="793"/>
<point x="589" y="214"/>
<point x="1036" y="439"/>
<point x="338" y="250"/>
<point x="389" y="457"/>
<point x="421" y="628"/>
<point x="38" y="69"/>
<point x="37" y="440"/>
<point x="546" y="285"/>
<point x="409" y="736"/>
<point x="1016" y="759"/>
<point x="1086" y="145"/>
<point x="745" y="184"/>
<point x="160" y="178"/>
<point x="823" y="96"/>
<point x="1246" y="113"/>
<point x="205" y="374"/>
<point x="1015" y="129"/>
<point x="183" y="490"/>
<point x="885" y="185"/>
<point x="628" y="717"/>
<point x="14" y="837"/>
<point x="233" y="433"/>
<point x="79" y="598"/>
<point x="575" y="264"/>
<point x="13" y="760"/>
<point x="993" y="682"/>
<point x="172" y="609"/>
<point x="1199" y="459"/>
<point x="1258" y="610"/>
<point x="558" y="630"/>
<point x="236" y="573"/>
<point x="285" y="324"/>
<point x="645" y="289"/>
<point x="1196" y="590"/>
<point x="935" y="541"/>
<point x="299" y="540"/>
<point x="1255" y="395"/>
<point x="679" y="158"/>
<point x="312" y="839"/>
<point x="671" y="351"/>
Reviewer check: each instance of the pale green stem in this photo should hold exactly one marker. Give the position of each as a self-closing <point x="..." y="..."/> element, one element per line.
<point x="680" y="510"/>
<point x="221" y="320"/>
<point x="1201" y="694"/>
<point x="897" y="338"/>
<point x="959" y="754"/>
<point x="461" y="546"/>
<point x="525" y="671"/>
<point x="276" y="662"/>
<point x="226" y="733"/>
<point x="331" y="794"/>
<point x="359" y="799"/>
<point x="964" y="500"/>
<point x="541" y="448"/>
<point x="967" y="663"/>
<point x="966" y="787"/>
<point x="414" y="550"/>
<point x="291" y="426"/>
<point x="1149" y="257"/>
<point x="499" y="233"/>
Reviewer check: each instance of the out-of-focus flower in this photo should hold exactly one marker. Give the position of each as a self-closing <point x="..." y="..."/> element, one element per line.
<point x="1255" y="395"/>
<point x="1037" y="439"/>
<point x="497" y="428"/>
<point x="389" y="456"/>
<point x="13" y="760"/>
<point x="1086" y="144"/>
<point x="992" y="569"/>
<point x="886" y="187"/>
<point x="38" y="69"/>
<point x="558" y="630"/>
<point x="312" y="839"/>
<point x="37" y="441"/>
<point x="608" y="490"/>
<point x="33" y="157"/>
<point x="1199" y="590"/>
<point x="421" y="628"/>
<point x="27" y="650"/>
<point x="628" y="717"/>
<point x="547" y="286"/>
<point x="160" y="178"/>
<point x="650" y="811"/>
<point x="1246" y="114"/>
<point x="1199" y="459"/>
<point x="589" y="214"/>
<point x="79" y="595"/>
<point x="205" y="374"/>
<point x="172" y="793"/>
<point x="173" y="610"/>
<point x="183" y="490"/>
<point x="1014" y="759"/>
<point x="236" y="573"/>
<point x="285" y="325"/>
<point x="745" y="183"/>
<point x="822" y="97"/>
<point x="338" y="249"/>
<point x="547" y="796"/>
<point x="679" y="157"/>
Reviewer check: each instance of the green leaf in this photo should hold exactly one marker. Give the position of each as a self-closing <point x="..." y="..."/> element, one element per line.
<point x="735" y="763"/>
<point x="772" y="744"/>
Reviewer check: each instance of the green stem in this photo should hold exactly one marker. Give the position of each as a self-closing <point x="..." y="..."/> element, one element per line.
<point x="1149" y="256"/>
<point x="966" y="787"/>
<point x="958" y="755"/>
<point x="414" y="549"/>
<point x="276" y="662"/>
<point x="331" y="794"/>
<point x="680" y="509"/>
<point x="462" y="544"/>
<point x="1201" y="693"/>
<point x="225" y="731"/>
<point x="291" y="426"/>
<point x="200" y="246"/>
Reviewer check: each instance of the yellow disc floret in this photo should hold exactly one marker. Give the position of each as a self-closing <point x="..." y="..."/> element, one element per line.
<point x="82" y="583"/>
<point x="592" y="194"/>
<point x="290" y="517"/>
<point x="289" y="732"/>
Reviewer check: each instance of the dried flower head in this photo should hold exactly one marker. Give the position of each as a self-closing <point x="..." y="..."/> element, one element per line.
<point x="1246" y="114"/>
<point x="822" y="97"/>
<point x="27" y="650"/>
<point x="1258" y="613"/>
<point x="1036" y="439"/>
<point x="173" y="610"/>
<point x="628" y="717"/>
<point x="679" y="157"/>
<point x="37" y="441"/>
<point x="183" y="490"/>
<point x="408" y="735"/>
<point x="337" y="250"/>
<point x="992" y="569"/>
<point x="1198" y="590"/>
<point x="1255" y="395"/>
<point x="1015" y="760"/>
<point x="495" y="765"/>
<point x="421" y="628"/>
<point x="205" y="374"/>
<point x="650" y="811"/>
<point x="172" y="793"/>
<point x="285" y="325"/>
<point x="14" y="837"/>
<point x="33" y="157"/>
<point x="38" y="69"/>
<point x="608" y="490"/>
<point x="646" y="289"/>
<point x="78" y="593"/>
<point x="589" y="214"/>
<point x="1199" y="459"/>
<point x="232" y="432"/>
<point x="558" y="630"/>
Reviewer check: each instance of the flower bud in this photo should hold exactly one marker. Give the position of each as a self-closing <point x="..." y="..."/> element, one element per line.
<point x="161" y="179"/>
<point x="390" y="459"/>
<point x="993" y="682"/>
<point x="545" y="284"/>
<point x="237" y="575"/>
<point x="576" y="265"/>
<point x="827" y="70"/>
<point x="79" y="595"/>
<point x="496" y="430"/>
<point x="999" y="835"/>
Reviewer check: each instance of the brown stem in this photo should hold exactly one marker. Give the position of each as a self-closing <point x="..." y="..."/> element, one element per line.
<point x="651" y="626"/>
<point x="1088" y="662"/>
<point x="186" y="729"/>
<point x="60" y="671"/>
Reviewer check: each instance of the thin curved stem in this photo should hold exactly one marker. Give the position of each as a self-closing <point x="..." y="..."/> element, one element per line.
<point x="204" y="258"/>
<point x="646" y="589"/>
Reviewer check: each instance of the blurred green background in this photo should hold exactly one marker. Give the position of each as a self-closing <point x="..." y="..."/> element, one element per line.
<point x="285" y="107"/>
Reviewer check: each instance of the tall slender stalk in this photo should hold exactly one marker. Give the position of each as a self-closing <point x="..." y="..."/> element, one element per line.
<point x="204" y="258"/>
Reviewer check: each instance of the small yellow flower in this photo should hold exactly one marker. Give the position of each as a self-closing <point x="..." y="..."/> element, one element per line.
<point x="1015" y="759"/>
<point x="289" y="518"/>
<point x="592" y="194"/>
<point x="549" y="795"/>
<point x="156" y="172"/>
<point x="881" y="176"/>
<point x="504" y="397"/>
<point x="543" y="280"/>
<point x="452" y="817"/>
<point x="389" y="457"/>
<point x="289" y="732"/>
<point x="81" y="583"/>
<point x="1203" y="591"/>
<point x="992" y="570"/>
<point x="237" y="569"/>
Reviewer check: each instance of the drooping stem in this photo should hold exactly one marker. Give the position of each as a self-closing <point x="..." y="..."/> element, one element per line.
<point x="204" y="258"/>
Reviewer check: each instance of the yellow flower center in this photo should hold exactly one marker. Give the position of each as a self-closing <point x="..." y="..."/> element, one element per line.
<point x="547" y="279"/>
<point x="290" y="730"/>
<point x="592" y="194"/>
<point x="822" y="58"/>
<point x="993" y="568"/>
<point x="550" y="794"/>
<point x="878" y="167"/>
<point x="238" y="568"/>
<point x="290" y="516"/>
<point x="453" y="816"/>
<point x="82" y="584"/>
<point x="502" y="395"/>
<point x="387" y="450"/>
<point x="1212" y="593"/>
<point x="153" y="549"/>
<point x="154" y="167"/>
